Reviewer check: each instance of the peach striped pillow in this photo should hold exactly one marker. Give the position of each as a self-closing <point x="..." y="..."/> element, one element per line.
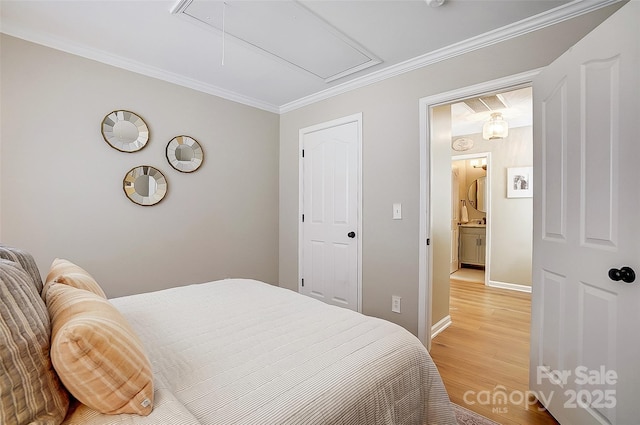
<point x="96" y="354"/>
<point x="64" y="271"/>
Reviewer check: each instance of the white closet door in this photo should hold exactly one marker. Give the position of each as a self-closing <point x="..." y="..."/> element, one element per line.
<point x="330" y="209"/>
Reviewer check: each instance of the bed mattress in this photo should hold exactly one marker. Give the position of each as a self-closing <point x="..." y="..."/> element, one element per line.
<point x="240" y="351"/>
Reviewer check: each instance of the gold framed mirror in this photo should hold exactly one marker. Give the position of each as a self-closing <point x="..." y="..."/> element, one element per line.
<point x="184" y="154"/>
<point x="125" y="131"/>
<point x="477" y="194"/>
<point x="145" y="185"/>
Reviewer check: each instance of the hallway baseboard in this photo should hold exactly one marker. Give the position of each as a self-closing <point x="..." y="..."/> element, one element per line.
<point x="443" y="324"/>
<point x="510" y="286"/>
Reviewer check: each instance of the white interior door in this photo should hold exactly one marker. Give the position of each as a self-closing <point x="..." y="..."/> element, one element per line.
<point x="585" y="350"/>
<point x="330" y="204"/>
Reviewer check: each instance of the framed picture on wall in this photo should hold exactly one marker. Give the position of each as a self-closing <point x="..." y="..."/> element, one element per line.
<point x="520" y="182"/>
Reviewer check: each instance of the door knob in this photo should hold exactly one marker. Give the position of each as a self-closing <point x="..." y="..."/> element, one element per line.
<point x="625" y="274"/>
<point x="351" y="234"/>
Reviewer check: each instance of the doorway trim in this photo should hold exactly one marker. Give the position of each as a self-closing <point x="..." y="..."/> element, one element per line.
<point x="301" y="133"/>
<point x="425" y="259"/>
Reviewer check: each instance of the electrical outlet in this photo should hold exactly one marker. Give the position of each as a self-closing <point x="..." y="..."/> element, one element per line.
<point x="395" y="303"/>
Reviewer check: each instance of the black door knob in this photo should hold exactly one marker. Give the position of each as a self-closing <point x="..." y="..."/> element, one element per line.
<point x="625" y="274"/>
<point x="351" y="234"/>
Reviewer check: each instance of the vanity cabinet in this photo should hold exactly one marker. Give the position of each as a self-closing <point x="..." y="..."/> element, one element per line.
<point x="473" y="245"/>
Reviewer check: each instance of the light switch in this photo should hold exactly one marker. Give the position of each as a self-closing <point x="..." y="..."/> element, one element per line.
<point x="397" y="211"/>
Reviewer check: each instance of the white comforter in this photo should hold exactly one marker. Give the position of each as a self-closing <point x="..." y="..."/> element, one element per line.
<point x="240" y="351"/>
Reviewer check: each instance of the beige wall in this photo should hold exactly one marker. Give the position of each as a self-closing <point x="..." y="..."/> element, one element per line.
<point x="511" y="218"/>
<point x="391" y="160"/>
<point x="440" y="201"/>
<point x="468" y="174"/>
<point x="62" y="184"/>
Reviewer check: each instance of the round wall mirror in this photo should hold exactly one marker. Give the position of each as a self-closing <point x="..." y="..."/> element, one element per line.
<point x="125" y="131"/>
<point x="145" y="185"/>
<point x="185" y="154"/>
<point x="477" y="194"/>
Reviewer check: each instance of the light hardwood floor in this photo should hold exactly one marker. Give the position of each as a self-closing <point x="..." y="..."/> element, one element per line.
<point x="485" y="353"/>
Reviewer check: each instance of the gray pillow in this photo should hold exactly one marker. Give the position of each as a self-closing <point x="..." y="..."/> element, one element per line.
<point x="25" y="260"/>
<point x="30" y="391"/>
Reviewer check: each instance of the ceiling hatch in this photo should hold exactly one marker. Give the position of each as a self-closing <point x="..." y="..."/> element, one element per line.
<point x="486" y="103"/>
<point x="286" y="30"/>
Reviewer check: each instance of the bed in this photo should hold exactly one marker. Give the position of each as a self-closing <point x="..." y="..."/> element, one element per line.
<point x="240" y="351"/>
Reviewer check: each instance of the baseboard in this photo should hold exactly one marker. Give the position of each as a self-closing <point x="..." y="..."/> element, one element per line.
<point x="511" y="286"/>
<point x="440" y="326"/>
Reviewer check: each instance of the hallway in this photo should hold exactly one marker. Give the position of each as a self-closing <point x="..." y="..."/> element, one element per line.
<point x="483" y="356"/>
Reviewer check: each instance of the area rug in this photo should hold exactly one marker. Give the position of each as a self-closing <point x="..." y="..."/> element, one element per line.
<point x="467" y="417"/>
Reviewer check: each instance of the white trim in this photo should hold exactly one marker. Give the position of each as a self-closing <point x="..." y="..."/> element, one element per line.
<point x="301" y="133"/>
<point x="179" y="10"/>
<point x="180" y="6"/>
<point x="134" y="66"/>
<point x="443" y="324"/>
<point x="509" y="286"/>
<point x="525" y="26"/>
<point x="425" y="255"/>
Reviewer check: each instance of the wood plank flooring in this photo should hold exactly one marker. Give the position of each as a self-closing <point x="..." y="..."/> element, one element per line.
<point x="484" y="354"/>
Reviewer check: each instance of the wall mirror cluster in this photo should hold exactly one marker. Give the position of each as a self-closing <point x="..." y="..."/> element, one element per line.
<point x="125" y="131"/>
<point x="145" y="185"/>
<point x="184" y="154"/>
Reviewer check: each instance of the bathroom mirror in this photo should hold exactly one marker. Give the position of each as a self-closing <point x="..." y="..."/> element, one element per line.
<point x="125" y="131"/>
<point x="184" y="154"/>
<point x="477" y="195"/>
<point x="145" y="185"/>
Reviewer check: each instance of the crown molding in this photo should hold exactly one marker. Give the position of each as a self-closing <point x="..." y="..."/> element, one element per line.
<point x="134" y="66"/>
<point x="557" y="15"/>
<point x="543" y="20"/>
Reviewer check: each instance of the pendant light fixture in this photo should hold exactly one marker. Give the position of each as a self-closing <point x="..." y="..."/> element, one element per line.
<point x="495" y="128"/>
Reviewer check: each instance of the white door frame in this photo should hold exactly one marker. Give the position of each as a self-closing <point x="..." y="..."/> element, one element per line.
<point x="425" y="253"/>
<point x="302" y="132"/>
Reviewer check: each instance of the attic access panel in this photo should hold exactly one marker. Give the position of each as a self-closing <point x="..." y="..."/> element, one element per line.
<point x="285" y="30"/>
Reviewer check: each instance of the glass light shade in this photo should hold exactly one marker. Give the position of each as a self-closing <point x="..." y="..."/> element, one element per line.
<point x="495" y="128"/>
<point x="479" y="163"/>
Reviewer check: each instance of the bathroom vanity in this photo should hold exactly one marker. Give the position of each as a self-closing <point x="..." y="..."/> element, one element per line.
<point x="473" y="244"/>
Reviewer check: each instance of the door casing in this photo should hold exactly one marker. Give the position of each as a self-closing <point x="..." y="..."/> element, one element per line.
<point x="302" y="132"/>
<point x="425" y="253"/>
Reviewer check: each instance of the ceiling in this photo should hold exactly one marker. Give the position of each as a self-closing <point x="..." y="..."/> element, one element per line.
<point x="278" y="55"/>
<point x="516" y="107"/>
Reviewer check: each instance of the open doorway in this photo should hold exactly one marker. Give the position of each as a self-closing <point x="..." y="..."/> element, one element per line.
<point x="470" y="217"/>
<point x="495" y="223"/>
<point x="437" y="115"/>
<point x="492" y="230"/>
